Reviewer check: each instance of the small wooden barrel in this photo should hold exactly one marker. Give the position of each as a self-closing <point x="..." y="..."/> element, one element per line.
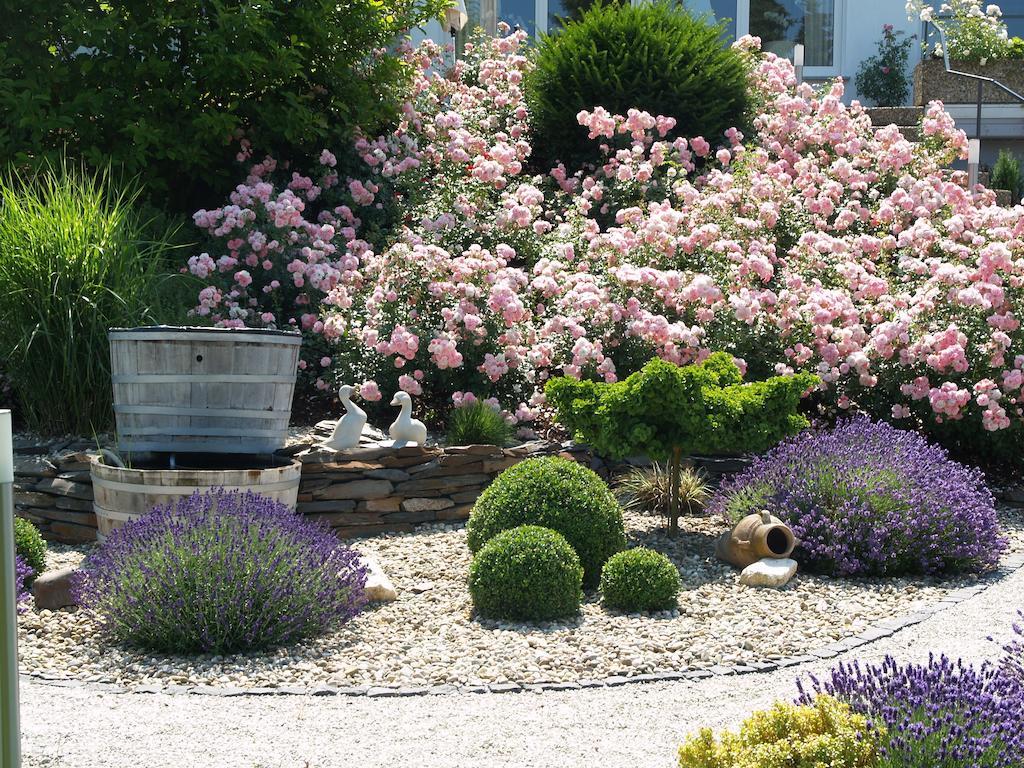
<point x="208" y="390"/>
<point x="121" y="494"/>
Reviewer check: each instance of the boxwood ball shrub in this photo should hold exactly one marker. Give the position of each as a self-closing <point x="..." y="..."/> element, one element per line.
<point x="29" y="544"/>
<point x="943" y="714"/>
<point x="554" y="493"/>
<point x="866" y="498"/>
<point x="220" y="572"/>
<point x="821" y="734"/>
<point x="654" y="57"/>
<point x="639" y="580"/>
<point x="527" y="573"/>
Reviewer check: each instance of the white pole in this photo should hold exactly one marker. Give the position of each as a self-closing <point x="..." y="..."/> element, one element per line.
<point x="798" y="62"/>
<point x="10" y="734"/>
<point x="973" y="161"/>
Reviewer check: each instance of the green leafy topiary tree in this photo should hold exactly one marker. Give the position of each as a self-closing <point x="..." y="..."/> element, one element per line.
<point x="655" y="57"/>
<point x="664" y="409"/>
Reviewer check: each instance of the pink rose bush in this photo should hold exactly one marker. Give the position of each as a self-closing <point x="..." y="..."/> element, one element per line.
<point x="817" y="242"/>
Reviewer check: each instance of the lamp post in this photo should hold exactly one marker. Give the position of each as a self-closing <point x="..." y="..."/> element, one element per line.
<point x="455" y="18"/>
<point x="10" y="735"/>
<point x="973" y="160"/>
<point x="798" y="62"/>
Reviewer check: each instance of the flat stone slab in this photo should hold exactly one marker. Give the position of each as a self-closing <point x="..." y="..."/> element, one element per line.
<point x="769" y="572"/>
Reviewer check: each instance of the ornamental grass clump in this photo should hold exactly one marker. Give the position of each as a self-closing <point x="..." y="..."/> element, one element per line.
<point x="942" y="714"/>
<point x="478" y="423"/>
<point x="868" y="499"/>
<point x="220" y="572"/>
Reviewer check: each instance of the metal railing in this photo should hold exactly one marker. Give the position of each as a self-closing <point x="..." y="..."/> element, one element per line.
<point x="980" y="79"/>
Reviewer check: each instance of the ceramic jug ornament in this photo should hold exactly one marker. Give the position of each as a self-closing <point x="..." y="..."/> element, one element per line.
<point x="405" y="429"/>
<point x="350" y="426"/>
<point x="755" y="537"/>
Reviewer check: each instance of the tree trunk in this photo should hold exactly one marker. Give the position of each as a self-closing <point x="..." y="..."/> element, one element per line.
<point x="673" y="496"/>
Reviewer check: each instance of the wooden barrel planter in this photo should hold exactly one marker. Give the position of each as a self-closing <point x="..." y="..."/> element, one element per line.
<point x="208" y="390"/>
<point x="121" y="494"/>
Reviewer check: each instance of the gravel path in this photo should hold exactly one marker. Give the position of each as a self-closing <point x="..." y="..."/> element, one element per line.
<point x="633" y="725"/>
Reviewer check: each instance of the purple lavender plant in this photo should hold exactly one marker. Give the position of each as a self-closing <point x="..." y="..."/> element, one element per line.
<point x="1013" y="652"/>
<point x="23" y="573"/>
<point x="220" y="572"/>
<point x="939" y="715"/>
<point x="866" y="498"/>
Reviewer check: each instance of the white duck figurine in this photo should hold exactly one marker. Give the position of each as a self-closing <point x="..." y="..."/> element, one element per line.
<point x="350" y="426"/>
<point x="405" y="429"/>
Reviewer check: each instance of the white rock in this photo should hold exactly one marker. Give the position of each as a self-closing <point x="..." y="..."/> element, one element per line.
<point x="379" y="588"/>
<point x="769" y="572"/>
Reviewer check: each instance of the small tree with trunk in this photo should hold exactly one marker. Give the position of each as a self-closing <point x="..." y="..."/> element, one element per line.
<point x="665" y="410"/>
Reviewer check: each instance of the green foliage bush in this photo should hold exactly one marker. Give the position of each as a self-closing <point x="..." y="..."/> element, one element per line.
<point x="1006" y="174"/>
<point x="167" y="87"/>
<point x="825" y="735"/>
<point x="703" y="408"/>
<point x="653" y="56"/>
<point x="528" y="573"/>
<point x="76" y="258"/>
<point x="639" y="580"/>
<point x="29" y="543"/>
<point x="882" y="78"/>
<point x="478" y="424"/>
<point x="555" y="493"/>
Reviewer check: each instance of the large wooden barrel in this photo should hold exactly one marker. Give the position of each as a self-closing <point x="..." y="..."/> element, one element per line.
<point x="209" y="390"/>
<point x="121" y="494"/>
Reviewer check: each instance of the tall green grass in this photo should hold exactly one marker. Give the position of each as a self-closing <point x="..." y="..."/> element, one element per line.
<point x="77" y="257"/>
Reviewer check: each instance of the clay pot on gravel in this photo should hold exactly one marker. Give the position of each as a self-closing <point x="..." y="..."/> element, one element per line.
<point x="755" y="537"/>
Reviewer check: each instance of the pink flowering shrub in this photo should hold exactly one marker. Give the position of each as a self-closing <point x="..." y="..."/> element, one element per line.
<point x="817" y="242"/>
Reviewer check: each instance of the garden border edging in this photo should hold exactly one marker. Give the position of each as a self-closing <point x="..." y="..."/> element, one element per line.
<point x="877" y="631"/>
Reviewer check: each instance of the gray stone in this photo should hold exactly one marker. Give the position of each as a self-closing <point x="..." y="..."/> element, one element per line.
<point x="769" y="572"/>
<point x="52" y="589"/>
<point x="451" y="481"/>
<point x="34" y="466"/>
<point x="424" y="505"/>
<point x="359" y="489"/>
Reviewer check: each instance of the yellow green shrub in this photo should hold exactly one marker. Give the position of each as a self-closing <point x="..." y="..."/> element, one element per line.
<point x="823" y="735"/>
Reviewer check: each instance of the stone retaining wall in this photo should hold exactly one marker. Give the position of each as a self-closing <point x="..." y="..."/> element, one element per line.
<point x="52" y="487"/>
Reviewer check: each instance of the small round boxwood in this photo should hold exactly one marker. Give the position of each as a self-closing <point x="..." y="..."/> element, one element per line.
<point x="639" y="580"/>
<point x="528" y="573"/>
<point x="554" y="493"/>
<point x="29" y="543"/>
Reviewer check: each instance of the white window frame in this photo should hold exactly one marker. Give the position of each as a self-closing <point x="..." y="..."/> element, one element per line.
<point x="489" y="16"/>
<point x="838" y="36"/>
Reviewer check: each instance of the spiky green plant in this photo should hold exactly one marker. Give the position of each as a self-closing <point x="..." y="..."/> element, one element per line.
<point x="478" y="424"/>
<point x="649" y="489"/>
<point x="76" y="258"/>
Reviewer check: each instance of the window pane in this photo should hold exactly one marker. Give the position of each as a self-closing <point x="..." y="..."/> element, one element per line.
<point x="719" y="10"/>
<point x="519" y="13"/>
<point x="782" y="23"/>
<point x="556" y="12"/>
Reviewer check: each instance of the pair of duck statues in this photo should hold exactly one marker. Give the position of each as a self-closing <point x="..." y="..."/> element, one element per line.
<point x="405" y="430"/>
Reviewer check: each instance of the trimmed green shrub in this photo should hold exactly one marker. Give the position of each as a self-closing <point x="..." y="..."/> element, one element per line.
<point x="654" y="57"/>
<point x="167" y="88"/>
<point x="1006" y="174"/>
<point x="29" y="543"/>
<point x="76" y="258"/>
<point x="528" y="573"/>
<point x="555" y="493"/>
<point x="825" y="734"/>
<point x="478" y="424"/>
<point x="639" y="580"/>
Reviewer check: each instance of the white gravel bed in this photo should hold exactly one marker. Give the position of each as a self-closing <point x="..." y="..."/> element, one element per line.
<point x="430" y="637"/>
<point x="623" y="727"/>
